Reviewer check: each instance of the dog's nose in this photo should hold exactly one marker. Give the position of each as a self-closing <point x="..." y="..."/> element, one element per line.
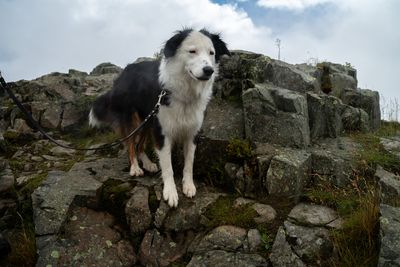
<point x="208" y="71"/>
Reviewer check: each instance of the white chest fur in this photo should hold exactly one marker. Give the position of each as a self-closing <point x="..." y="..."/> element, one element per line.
<point x="182" y="120"/>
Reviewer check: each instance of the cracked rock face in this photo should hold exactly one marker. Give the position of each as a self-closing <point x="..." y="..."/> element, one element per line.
<point x="304" y="238"/>
<point x="91" y="238"/>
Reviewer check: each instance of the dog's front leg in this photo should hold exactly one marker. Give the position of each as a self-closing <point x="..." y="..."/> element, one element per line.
<point x="169" y="192"/>
<point x="188" y="187"/>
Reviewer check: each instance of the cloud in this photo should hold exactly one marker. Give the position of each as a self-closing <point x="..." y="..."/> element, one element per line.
<point x="290" y="4"/>
<point x="42" y="36"/>
<point x="48" y="35"/>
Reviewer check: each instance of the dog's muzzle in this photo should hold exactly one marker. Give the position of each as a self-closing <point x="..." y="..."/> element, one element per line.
<point x="207" y="72"/>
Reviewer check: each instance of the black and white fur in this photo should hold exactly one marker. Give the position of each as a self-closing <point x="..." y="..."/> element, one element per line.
<point x="187" y="70"/>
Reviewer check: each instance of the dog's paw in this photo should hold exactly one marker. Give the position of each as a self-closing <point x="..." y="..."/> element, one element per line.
<point x="170" y="195"/>
<point x="136" y="171"/>
<point x="150" y="166"/>
<point x="189" y="189"/>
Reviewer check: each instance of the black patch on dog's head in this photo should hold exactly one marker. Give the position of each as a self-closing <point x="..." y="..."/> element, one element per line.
<point x="219" y="45"/>
<point x="175" y="42"/>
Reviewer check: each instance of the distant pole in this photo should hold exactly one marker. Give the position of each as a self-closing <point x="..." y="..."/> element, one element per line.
<point x="278" y="44"/>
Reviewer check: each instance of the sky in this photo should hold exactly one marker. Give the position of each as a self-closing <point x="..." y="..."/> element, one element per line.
<point x="42" y="36"/>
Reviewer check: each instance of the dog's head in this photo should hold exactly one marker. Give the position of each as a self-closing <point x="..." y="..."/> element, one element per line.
<point x="198" y="52"/>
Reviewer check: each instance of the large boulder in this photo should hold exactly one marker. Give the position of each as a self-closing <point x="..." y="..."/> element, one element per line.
<point x="389" y="186"/>
<point x="389" y="235"/>
<point x="368" y="101"/>
<point x="324" y="112"/>
<point x="288" y="173"/>
<point x="341" y="77"/>
<point x="282" y="253"/>
<point x="333" y="160"/>
<point x="289" y="76"/>
<point x="276" y="115"/>
<point x="106" y="68"/>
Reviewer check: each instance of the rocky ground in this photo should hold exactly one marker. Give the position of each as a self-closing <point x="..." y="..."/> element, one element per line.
<point x="282" y="172"/>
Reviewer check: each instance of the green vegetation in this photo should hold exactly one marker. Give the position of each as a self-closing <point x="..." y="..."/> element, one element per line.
<point x="356" y="244"/>
<point x="239" y="150"/>
<point x="222" y="212"/>
<point x="358" y="203"/>
<point x="373" y="152"/>
<point x="32" y="184"/>
<point x="114" y="195"/>
<point x="266" y="241"/>
<point x="23" y="248"/>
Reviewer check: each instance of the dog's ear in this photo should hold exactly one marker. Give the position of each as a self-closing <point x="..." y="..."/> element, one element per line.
<point x="175" y="42"/>
<point x="219" y="45"/>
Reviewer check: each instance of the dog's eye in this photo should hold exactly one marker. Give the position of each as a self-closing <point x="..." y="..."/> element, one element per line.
<point x="192" y="51"/>
<point x="212" y="53"/>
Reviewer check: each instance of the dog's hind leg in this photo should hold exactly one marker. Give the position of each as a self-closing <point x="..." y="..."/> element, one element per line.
<point x="135" y="169"/>
<point x="148" y="165"/>
<point x="188" y="187"/>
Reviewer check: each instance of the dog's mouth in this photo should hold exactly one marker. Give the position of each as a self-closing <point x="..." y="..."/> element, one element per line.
<point x="201" y="78"/>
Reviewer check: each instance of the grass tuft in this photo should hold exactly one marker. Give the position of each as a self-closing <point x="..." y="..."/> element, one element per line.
<point x="222" y="212"/>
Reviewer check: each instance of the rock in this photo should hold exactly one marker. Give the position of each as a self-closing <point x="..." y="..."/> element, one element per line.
<point x="137" y="210"/>
<point x="392" y="145"/>
<point x="220" y="258"/>
<point x="142" y="59"/>
<point x="157" y="250"/>
<point x="312" y="215"/>
<point x="282" y="254"/>
<point x="253" y="240"/>
<point x="288" y="173"/>
<point x="367" y="100"/>
<point x="389" y="236"/>
<point x="37" y="159"/>
<point x="105" y="68"/>
<point x="189" y="213"/>
<point x="61" y="151"/>
<point x="24" y="179"/>
<point x="288" y="76"/>
<point x="21" y="126"/>
<point x="355" y="119"/>
<point x="342" y="77"/>
<point x="227" y="237"/>
<point x="72" y="114"/>
<point x="234" y="171"/>
<point x="7" y="179"/>
<point x="52" y="198"/>
<point x="389" y="187"/>
<point x="266" y="213"/>
<point x="332" y="159"/>
<point x="240" y="201"/>
<point x="341" y="82"/>
<point x="90" y="239"/>
<point x="324" y="112"/>
<point x="51" y="117"/>
<point x="284" y="115"/>
<point x="223" y="120"/>
<point x="245" y="184"/>
<point x="311" y="244"/>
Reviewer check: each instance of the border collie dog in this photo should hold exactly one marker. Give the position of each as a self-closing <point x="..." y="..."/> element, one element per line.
<point x="187" y="70"/>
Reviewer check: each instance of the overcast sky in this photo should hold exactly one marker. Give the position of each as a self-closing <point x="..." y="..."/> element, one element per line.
<point x="42" y="36"/>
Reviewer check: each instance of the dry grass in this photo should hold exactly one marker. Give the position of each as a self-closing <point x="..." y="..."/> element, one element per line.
<point x="356" y="244"/>
<point x="23" y="246"/>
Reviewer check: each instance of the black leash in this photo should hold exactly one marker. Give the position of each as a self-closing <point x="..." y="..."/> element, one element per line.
<point x="154" y="112"/>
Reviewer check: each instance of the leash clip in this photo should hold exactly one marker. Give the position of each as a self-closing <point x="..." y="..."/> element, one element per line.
<point x="160" y="97"/>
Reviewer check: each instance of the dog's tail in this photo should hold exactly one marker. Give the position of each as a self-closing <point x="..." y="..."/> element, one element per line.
<point x="100" y="112"/>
